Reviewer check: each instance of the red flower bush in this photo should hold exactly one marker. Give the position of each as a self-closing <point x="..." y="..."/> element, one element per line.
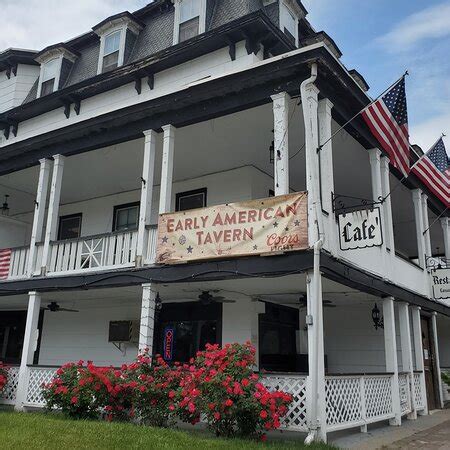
<point x="3" y="376"/>
<point x="218" y="386"/>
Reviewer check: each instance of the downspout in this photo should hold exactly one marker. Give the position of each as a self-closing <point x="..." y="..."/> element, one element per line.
<point x="316" y="289"/>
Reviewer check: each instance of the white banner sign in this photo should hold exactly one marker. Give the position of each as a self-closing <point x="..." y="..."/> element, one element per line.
<point x="440" y="279"/>
<point x="360" y="229"/>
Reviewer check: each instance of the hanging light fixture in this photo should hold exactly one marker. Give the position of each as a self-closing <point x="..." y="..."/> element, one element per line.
<point x="378" y="321"/>
<point x="5" y="207"/>
<point x="158" y="306"/>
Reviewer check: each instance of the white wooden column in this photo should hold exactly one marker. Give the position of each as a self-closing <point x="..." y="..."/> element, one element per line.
<point x="426" y="226"/>
<point x="418" y="353"/>
<point x="407" y="358"/>
<point x="51" y="231"/>
<point x="390" y="348"/>
<point x="30" y="341"/>
<point x="437" y="363"/>
<point x="147" y="318"/>
<point x="310" y="110"/>
<point x="445" y="223"/>
<point x="387" y="206"/>
<point x="165" y="199"/>
<point x="148" y="171"/>
<point x="375" y="171"/>
<point x="39" y="213"/>
<point x="418" y="218"/>
<point x="281" y="142"/>
<point x="326" y="172"/>
<point x="316" y="400"/>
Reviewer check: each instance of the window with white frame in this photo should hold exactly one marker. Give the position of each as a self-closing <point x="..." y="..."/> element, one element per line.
<point x="288" y="22"/>
<point x="189" y="19"/>
<point x="49" y="75"/>
<point x="111" y="51"/>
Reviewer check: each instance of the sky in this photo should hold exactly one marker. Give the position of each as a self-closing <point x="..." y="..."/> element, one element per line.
<point x="379" y="38"/>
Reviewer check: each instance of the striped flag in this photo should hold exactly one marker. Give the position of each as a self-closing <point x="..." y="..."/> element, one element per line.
<point x="5" y="260"/>
<point x="387" y="119"/>
<point x="433" y="170"/>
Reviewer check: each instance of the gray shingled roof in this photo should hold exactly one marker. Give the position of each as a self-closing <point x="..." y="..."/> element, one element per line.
<point x="157" y="34"/>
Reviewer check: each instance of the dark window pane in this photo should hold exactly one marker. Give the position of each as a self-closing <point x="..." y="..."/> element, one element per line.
<point x="126" y="218"/>
<point x="69" y="227"/>
<point x="47" y="87"/>
<point x="110" y="61"/>
<point x="189" y="29"/>
<point x="191" y="200"/>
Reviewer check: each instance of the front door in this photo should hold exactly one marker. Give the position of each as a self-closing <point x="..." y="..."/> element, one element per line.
<point x="428" y="360"/>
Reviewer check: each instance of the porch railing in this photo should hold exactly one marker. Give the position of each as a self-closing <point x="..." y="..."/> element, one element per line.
<point x="8" y="395"/>
<point x="102" y="251"/>
<point x="152" y="243"/>
<point x="18" y="265"/>
<point x="36" y="377"/>
<point x="295" y="419"/>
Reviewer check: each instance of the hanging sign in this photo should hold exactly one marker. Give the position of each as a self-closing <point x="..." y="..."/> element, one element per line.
<point x="440" y="280"/>
<point x="275" y="224"/>
<point x="360" y="229"/>
<point x="169" y="335"/>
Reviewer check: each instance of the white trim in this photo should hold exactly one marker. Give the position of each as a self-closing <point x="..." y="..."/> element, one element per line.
<point x="57" y="77"/>
<point x="201" y="21"/>
<point x="290" y="6"/>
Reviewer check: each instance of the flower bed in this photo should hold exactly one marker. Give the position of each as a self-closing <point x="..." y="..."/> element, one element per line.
<point x="218" y="386"/>
<point x="3" y="376"/>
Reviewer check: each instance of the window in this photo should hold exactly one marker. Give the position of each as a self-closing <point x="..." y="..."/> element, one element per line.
<point x="111" y="51"/>
<point x="69" y="227"/>
<point x="191" y="200"/>
<point x="126" y="217"/>
<point x="189" y="21"/>
<point x="49" y="76"/>
<point x="288" y="22"/>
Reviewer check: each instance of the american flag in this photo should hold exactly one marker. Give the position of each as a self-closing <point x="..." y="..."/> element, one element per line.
<point x="5" y="260"/>
<point x="387" y="118"/>
<point x="433" y="170"/>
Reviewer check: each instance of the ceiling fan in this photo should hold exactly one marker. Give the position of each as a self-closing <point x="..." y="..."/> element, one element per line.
<point x="302" y="301"/>
<point x="206" y="298"/>
<point x="54" y="307"/>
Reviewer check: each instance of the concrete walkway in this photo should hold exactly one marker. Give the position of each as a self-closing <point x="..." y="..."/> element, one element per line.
<point x="430" y="432"/>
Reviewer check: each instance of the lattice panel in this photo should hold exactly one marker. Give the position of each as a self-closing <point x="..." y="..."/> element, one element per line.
<point x="417" y="386"/>
<point x="404" y="391"/>
<point x="37" y="377"/>
<point x="295" y="419"/>
<point x="343" y="396"/>
<point x="8" y="395"/>
<point x="378" y="396"/>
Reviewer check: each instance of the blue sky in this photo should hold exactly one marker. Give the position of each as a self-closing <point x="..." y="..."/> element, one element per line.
<point x="380" y="38"/>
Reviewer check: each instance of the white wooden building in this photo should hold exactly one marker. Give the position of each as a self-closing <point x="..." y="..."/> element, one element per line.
<point x="193" y="104"/>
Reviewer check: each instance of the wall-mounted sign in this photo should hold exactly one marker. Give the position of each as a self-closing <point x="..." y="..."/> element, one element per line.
<point x="440" y="280"/>
<point x="276" y="224"/>
<point x="169" y="335"/>
<point x="360" y="229"/>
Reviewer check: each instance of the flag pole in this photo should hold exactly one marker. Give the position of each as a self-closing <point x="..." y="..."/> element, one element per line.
<point x="320" y="147"/>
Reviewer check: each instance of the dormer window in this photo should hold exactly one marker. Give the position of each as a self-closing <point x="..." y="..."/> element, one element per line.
<point x="190" y="19"/>
<point x="112" y="48"/>
<point x="289" y="22"/>
<point x="117" y="37"/>
<point x="50" y="72"/>
<point x="56" y="62"/>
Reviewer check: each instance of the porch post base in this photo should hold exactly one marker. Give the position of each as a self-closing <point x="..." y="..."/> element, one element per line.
<point x="363" y="428"/>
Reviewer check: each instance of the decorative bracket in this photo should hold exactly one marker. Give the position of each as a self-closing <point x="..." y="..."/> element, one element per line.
<point x="231" y="48"/>
<point x="151" y="80"/>
<point x="434" y="263"/>
<point x="138" y="85"/>
<point x="345" y="204"/>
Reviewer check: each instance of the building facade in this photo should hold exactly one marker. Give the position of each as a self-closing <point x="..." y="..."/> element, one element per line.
<point x="182" y="108"/>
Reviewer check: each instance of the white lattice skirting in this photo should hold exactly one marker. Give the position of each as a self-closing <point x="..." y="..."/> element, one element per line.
<point x="357" y="400"/>
<point x="37" y="376"/>
<point x="295" y="419"/>
<point x="8" y="396"/>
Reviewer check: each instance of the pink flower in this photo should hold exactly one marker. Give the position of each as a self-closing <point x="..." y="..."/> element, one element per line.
<point x="74" y="400"/>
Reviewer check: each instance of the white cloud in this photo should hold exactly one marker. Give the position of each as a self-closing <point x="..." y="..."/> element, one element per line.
<point x="433" y="22"/>
<point x="35" y="24"/>
<point x="426" y="133"/>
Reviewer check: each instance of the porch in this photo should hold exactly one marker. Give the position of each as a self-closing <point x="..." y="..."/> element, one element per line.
<point x="360" y="385"/>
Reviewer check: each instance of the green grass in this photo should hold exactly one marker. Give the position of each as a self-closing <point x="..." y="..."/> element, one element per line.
<point x="49" y="431"/>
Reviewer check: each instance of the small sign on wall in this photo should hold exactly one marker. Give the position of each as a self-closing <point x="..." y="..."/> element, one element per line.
<point x="440" y="280"/>
<point x="360" y="229"/>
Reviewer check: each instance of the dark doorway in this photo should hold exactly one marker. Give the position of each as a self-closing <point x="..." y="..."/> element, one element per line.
<point x="429" y="363"/>
<point x="183" y="329"/>
<point x="12" y="331"/>
<point x="277" y="338"/>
